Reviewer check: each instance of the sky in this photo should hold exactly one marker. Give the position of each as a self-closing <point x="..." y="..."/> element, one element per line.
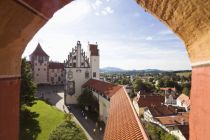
<point x="127" y="36"/>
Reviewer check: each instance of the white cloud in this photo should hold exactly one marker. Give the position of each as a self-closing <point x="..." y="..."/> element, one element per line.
<point x="97" y="4"/>
<point x="97" y="14"/>
<point x="104" y="13"/>
<point x="109" y="10"/>
<point x="148" y="38"/>
<point x="73" y="12"/>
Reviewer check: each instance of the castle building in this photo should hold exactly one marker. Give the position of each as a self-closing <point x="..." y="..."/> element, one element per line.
<point x="44" y="71"/>
<point x="80" y="67"/>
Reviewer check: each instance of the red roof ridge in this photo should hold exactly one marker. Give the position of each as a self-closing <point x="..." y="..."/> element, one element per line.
<point x="137" y="118"/>
<point x="39" y="51"/>
<point x="123" y="122"/>
<point x="103" y="87"/>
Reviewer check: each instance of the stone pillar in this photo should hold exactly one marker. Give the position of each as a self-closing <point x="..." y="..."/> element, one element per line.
<point x="9" y="107"/>
<point x="200" y="103"/>
<point x="20" y="20"/>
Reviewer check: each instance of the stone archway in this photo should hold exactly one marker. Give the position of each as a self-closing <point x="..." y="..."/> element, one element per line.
<point x="21" y="19"/>
<point x="190" y="20"/>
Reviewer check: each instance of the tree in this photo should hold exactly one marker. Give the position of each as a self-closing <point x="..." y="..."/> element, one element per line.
<point x="87" y="99"/>
<point x="28" y="87"/>
<point x="68" y="130"/>
<point x="139" y="85"/>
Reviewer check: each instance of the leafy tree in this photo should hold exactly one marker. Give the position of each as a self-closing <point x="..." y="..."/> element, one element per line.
<point x="68" y="130"/>
<point x="28" y="87"/>
<point x="87" y="99"/>
<point x="157" y="133"/>
<point x="139" y="85"/>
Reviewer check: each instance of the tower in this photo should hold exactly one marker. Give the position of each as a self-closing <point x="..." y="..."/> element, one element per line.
<point x="93" y="54"/>
<point x="39" y="62"/>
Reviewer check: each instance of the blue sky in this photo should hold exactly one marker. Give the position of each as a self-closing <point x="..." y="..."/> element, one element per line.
<point x="128" y="37"/>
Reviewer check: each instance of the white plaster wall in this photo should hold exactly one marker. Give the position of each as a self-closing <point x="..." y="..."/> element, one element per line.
<point x="79" y="79"/>
<point x="94" y="64"/>
<point x="103" y="107"/>
<point x="40" y="76"/>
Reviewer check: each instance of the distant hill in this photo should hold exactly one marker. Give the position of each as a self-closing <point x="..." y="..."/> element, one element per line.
<point x="111" y="69"/>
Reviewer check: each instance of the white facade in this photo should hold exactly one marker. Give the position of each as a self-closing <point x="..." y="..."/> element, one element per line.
<point x="103" y="106"/>
<point x="79" y="69"/>
<point x="170" y="99"/>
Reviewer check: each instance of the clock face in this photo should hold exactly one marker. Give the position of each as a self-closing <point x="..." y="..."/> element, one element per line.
<point x="70" y="75"/>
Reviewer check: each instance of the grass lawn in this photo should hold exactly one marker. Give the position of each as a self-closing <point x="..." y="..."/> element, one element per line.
<point x="49" y="117"/>
<point x="39" y="120"/>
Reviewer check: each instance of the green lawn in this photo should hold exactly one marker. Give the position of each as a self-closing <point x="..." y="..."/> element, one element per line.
<point x="49" y="117"/>
<point x="38" y="121"/>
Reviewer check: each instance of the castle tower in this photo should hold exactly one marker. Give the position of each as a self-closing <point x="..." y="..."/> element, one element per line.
<point x="39" y="62"/>
<point x="93" y="54"/>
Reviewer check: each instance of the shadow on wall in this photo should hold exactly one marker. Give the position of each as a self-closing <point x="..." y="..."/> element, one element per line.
<point x="29" y="126"/>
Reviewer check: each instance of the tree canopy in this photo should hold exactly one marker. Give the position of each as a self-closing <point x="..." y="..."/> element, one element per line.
<point x="28" y="87"/>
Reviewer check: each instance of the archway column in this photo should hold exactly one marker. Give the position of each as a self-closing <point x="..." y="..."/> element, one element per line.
<point x="20" y="20"/>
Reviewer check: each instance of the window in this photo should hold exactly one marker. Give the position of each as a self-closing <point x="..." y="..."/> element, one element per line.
<point x="94" y="74"/>
<point x="37" y="74"/>
<point x="59" y="78"/>
<point x="52" y="79"/>
<point x="70" y="64"/>
<point x="55" y="75"/>
<point x="86" y="74"/>
<point x="74" y="57"/>
<point x="82" y="64"/>
<point x="44" y="69"/>
<point x="74" y="65"/>
<point x="38" y="69"/>
<point x="35" y="64"/>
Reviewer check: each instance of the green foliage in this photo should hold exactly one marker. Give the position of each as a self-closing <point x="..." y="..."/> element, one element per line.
<point x="67" y="131"/>
<point x="28" y="87"/>
<point x="157" y="133"/>
<point x="87" y="99"/>
<point x="39" y="120"/>
<point x="68" y="117"/>
<point x="139" y="85"/>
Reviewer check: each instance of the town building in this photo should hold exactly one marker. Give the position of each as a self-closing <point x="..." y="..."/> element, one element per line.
<point x="79" y="68"/>
<point x="44" y="71"/>
<point x="184" y="101"/>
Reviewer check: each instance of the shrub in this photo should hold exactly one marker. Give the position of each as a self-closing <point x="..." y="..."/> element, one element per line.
<point x="67" y="131"/>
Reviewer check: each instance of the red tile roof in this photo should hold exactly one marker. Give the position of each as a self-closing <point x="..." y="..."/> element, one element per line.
<point x="148" y="100"/>
<point x="123" y="123"/>
<point x="158" y="111"/>
<point x="94" y="50"/>
<point x="168" y="88"/>
<point x="174" y="120"/>
<point x="39" y="51"/>
<point x="56" y="65"/>
<point x="105" y="88"/>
